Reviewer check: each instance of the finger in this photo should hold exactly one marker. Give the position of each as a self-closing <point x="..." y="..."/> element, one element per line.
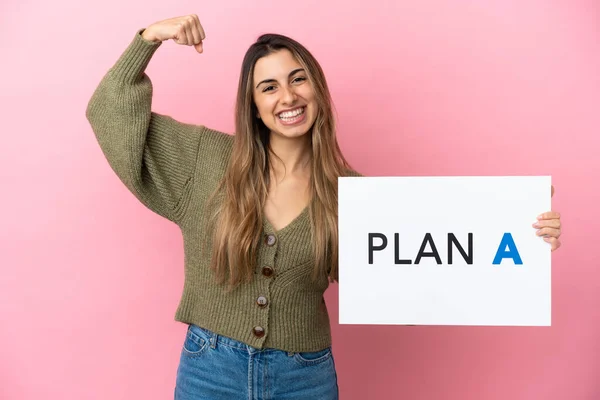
<point x="549" y="232"/>
<point x="180" y="36"/>
<point x="199" y="46"/>
<point x="557" y="244"/>
<point x="188" y="33"/>
<point x="200" y="28"/>
<point x="554" y="242"/>
<point x="549" y="215"/>
<point x="551" y="223"/>
<point x="552" y="190"/>
<point x="195" y="30"/>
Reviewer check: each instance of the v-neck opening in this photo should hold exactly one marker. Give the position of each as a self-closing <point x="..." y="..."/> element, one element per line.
<point x="289" y="226"/>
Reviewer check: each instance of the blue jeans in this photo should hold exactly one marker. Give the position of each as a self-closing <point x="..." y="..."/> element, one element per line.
<point x="214" y="367"/>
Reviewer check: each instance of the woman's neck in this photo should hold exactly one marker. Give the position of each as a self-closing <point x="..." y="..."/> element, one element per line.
<point x="293" y="155"/>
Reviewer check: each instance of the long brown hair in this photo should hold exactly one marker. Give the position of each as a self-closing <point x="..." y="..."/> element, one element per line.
<point x="237" y="221"/>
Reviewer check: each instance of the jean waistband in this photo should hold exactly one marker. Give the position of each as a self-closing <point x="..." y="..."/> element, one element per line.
<point x="216" y="339"/>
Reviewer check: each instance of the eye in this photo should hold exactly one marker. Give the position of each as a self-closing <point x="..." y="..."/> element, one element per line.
<point x="299" y="79"/>
<point x="268" y="88"/>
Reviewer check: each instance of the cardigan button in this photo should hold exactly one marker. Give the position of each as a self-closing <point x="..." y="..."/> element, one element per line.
<point x="270" y="239"/>
<point x="258" y="331"/>
<point x="261" y="301"/>
<point x="267" y="271"/>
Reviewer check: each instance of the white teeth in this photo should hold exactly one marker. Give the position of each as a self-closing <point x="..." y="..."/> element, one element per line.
<point x="291" y="114"/>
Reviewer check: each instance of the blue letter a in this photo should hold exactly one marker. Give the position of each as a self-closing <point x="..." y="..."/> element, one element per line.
<point x="512" y="251"/>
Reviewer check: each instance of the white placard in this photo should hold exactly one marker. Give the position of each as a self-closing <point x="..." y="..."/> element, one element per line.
<point x="405" y="283"/>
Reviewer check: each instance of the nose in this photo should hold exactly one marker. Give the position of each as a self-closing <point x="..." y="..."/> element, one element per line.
<point x="288" y="95"/>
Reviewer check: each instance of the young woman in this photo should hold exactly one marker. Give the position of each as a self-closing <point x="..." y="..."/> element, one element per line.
<point x="257" y="210"/>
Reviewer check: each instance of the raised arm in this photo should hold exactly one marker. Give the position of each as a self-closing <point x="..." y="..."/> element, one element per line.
<point x="153" y="155"/>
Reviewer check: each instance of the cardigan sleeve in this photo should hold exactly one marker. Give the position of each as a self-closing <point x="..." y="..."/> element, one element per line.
<point x="154" y="155"/>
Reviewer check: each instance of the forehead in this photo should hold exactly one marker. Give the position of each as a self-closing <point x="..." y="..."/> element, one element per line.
<point x="276" y="65"/>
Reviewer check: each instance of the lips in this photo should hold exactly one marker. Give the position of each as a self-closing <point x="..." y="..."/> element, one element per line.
<point x="290" y="114"/>
<point x="292" y="117"/>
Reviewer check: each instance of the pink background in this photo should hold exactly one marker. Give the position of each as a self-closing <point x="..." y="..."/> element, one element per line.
<point x="90" y="279"/>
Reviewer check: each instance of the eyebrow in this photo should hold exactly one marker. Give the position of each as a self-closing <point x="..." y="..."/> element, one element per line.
<point x="274" y="80"/>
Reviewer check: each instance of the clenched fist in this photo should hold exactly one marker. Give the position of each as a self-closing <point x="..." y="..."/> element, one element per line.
<point x="183" y="30"/>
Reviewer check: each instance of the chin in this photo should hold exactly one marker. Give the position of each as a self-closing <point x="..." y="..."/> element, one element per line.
<point x="291" y="133"/>
<point x="295" y="133"/>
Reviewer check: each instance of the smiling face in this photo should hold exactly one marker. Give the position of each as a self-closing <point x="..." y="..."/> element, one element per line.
<point x="283" y="95"/>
